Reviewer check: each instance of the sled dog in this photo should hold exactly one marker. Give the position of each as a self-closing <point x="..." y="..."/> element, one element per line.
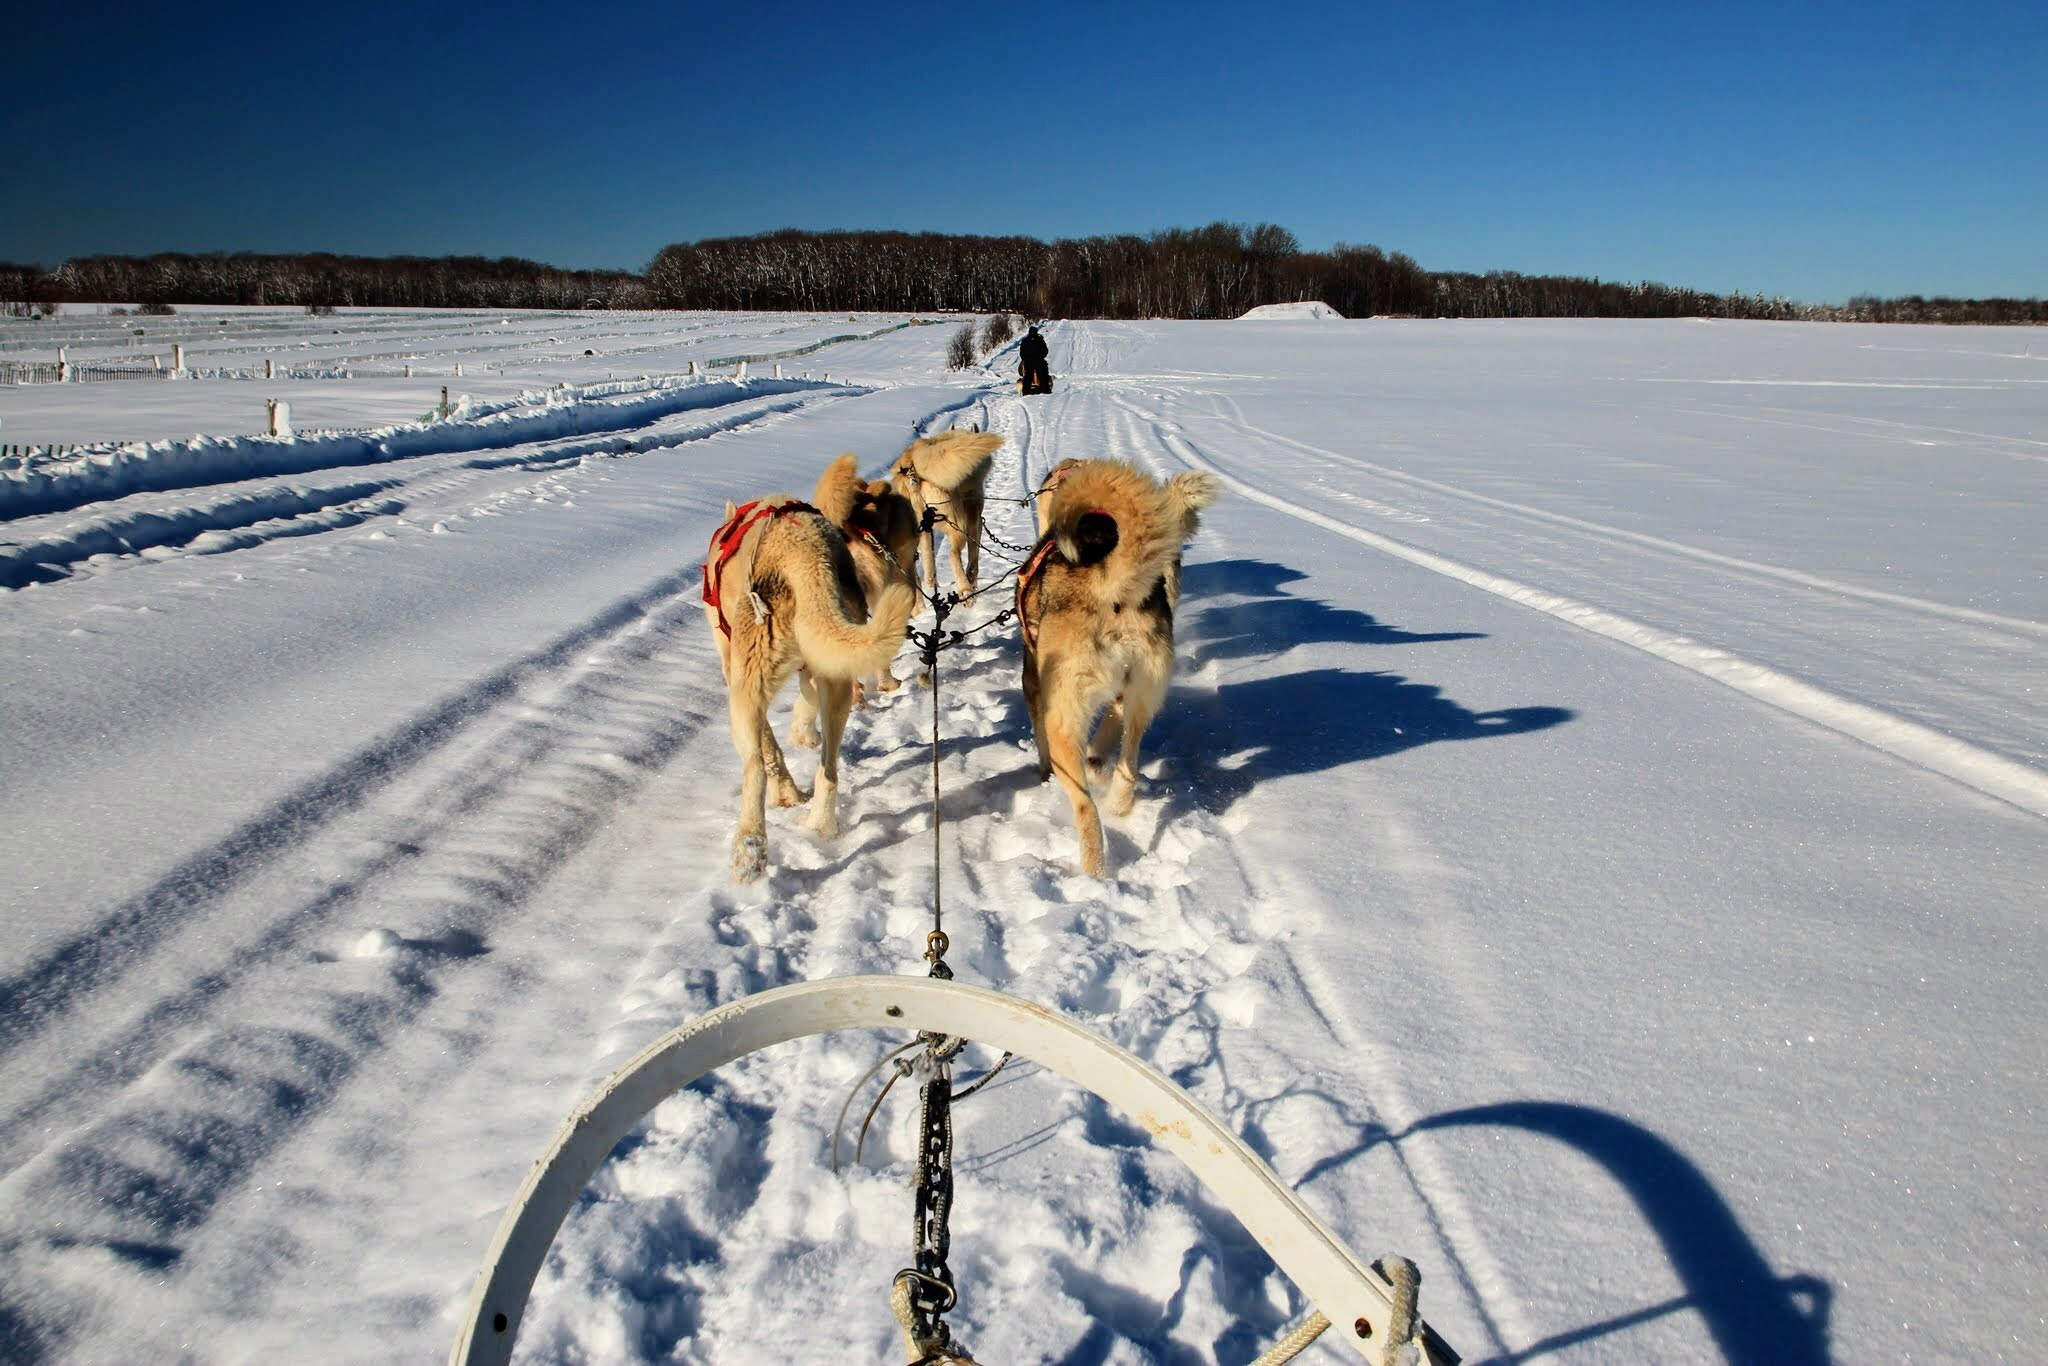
<point x="782" y="592"/>
<point x="947" y="472"/>
<point x="1096" y="600"/>
<point x="881" y="534"/>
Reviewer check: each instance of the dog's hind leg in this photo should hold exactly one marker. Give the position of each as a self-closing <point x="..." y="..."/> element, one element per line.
<point x="1109" y="733"/>
<point x="1069" y="765"/>
<point x="930" y="568"/>
<point x="956" y="536"/>
<point x="972" y="523"/>
<point x="835" y="700"/>
<point x="1034" y="708"/>
<point x="803" y="725"/>
<point x="750" y="840"/>
<point x="782" y="788"/>
<point x="1138" y="711"/>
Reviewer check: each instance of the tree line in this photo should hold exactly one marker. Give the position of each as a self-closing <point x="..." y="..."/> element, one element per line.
<point x="1218" y="271"/>
<point x="321" y="280"/>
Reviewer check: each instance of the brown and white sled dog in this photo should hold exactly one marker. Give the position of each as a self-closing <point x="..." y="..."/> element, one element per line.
<point x="782" y="592"/>
<point x="1096" y="601"/>
<point x="949" y="472"/>
<point x="881" y="533"/>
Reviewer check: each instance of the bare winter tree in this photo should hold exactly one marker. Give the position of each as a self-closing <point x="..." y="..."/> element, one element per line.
<point x="960" y="353"/>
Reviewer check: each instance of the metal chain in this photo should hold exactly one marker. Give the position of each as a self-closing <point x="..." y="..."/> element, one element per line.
<point x="1013" y="549"/>
<point x="924" y="1291"/>
<point x="929" y="1279"/>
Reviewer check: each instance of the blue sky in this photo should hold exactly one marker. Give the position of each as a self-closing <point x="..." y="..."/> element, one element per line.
<point x="1813" y="151"/>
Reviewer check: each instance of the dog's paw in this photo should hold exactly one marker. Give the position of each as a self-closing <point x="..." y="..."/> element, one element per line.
<point x="803" y="736"/>
<point x="785" y="792"/>
<point x="1121" y="796"/>
<point x="824" y="824"/>
<point x="749" y="857"/>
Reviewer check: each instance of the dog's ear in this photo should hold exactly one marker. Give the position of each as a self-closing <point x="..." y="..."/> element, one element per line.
<point x="732" y="509"/>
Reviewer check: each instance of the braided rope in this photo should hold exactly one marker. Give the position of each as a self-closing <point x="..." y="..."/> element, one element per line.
<point x="1296" y="1342"/>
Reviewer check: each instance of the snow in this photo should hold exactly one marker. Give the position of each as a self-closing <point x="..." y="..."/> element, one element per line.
<point x="1594" y="845"/>
<point x="1315" y="310"/>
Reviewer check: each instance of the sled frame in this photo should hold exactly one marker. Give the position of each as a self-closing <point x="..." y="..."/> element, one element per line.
<point x="1356" y="1299"/>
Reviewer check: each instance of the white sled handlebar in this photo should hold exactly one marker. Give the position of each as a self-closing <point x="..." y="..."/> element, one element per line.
<point x="1352" y="1295"/>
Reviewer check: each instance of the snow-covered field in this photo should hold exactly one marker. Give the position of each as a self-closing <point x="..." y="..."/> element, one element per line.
<point x="1595" y="845"/>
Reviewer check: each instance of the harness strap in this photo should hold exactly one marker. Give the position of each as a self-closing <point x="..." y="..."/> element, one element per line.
<point x="1054" y="477"/>
<point x="1046" y="548"/>
<point x="725" y="543"/>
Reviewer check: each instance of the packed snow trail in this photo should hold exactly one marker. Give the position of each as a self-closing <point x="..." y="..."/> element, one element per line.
<point x="1653" y="1022"/>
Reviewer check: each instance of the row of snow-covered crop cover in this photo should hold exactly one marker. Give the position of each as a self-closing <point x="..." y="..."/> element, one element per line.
<point x="55" y="478"/>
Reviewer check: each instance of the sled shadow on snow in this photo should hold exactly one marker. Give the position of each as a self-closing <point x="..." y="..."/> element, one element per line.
<point x="1752" y="1313"/>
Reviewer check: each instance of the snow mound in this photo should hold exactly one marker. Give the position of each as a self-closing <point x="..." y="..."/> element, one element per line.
<point x="1309" y="308"/>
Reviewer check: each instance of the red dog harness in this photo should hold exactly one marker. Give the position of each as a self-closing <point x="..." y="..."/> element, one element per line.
<point x="725" y="543"/>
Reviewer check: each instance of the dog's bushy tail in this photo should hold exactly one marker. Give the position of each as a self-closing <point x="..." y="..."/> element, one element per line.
<point x="839" y="487"/>
<point x="1187" y="493"/>
<point x="838" y="647"/>
<point x="1113" y="517"/>
<point x="951" y="459"/>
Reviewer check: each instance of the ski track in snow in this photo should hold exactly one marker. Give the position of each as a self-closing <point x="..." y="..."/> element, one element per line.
<point x="142" y="529"/>
<point x="452" y="823"/>
<point x="1992" y="773"/>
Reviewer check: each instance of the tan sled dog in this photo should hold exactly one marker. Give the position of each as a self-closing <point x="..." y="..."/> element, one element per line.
<point x="881" y="533"/>
<point x="1096" y="601"/>
<point x="781" y="592"/>
<point x="948" y="472"/>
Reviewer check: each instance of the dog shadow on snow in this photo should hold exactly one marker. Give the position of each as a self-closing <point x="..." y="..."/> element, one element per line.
<point x="1258" y="729"/>
<point x="1274" y="619"/>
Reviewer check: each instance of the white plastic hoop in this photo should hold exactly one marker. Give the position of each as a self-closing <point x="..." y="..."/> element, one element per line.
<point x="1353" y="1296"/>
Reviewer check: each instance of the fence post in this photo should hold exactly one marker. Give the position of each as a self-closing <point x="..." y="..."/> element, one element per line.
<point x="778" y="369"/>
<point x="444" y="401"/>
<point x="177" y="358"/>
<point x="269" y="367"/>
<point x="408" y="370"/>
<point x="740" y="371"/>
<point x="63" y="365"/>
<point x="458" y="369"/>
<point x="157" y="363"/>
<point x="693" y="368"/>
<point x="280" y="417"/>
